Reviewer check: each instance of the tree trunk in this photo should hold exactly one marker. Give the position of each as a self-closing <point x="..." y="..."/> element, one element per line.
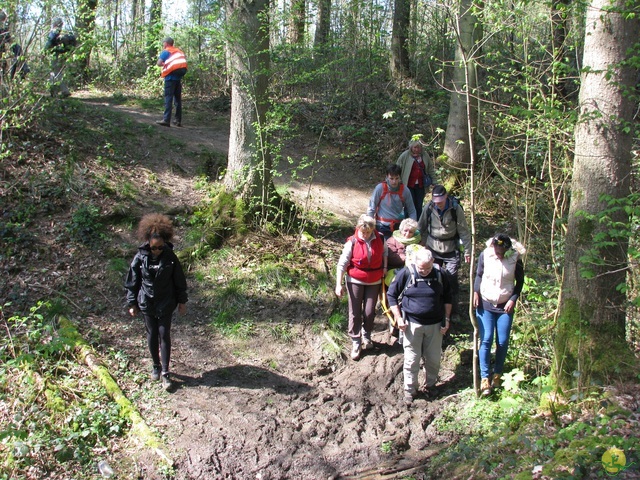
<point x="590" y="341"/>
<point x="323" y="23"/>
<point x="560" y="84"/>
<point x="153" y="31"/>
<point x="298" y="20"/>
<point x="469" y="34"/>
<point x="249" y="164"/>
<point x="399" y="39"/>
<point x="85" y="26"/>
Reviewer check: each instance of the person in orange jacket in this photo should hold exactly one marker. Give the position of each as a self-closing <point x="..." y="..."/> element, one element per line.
<point x="174" y="66"/>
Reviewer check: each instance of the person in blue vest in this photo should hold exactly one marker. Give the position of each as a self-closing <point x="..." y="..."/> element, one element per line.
<point x="174" y="66"/>
<point x="390" y="202"/>
<point x="497" y="286"/>
<point x="420" y="300"/>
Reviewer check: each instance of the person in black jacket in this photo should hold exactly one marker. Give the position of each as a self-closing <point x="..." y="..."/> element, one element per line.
<point x="155" y="286"/>
<point x="420" y="300"/>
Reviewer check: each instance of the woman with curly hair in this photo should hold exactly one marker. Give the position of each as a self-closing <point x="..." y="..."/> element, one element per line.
<point x="155" y="286"/>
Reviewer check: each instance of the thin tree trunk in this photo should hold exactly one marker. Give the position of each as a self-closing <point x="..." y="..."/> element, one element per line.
<point x="559" y="10"/>
<point x="591" y="323"/>
<point x="153" y="31"/>
<point x="323" y="23"/>
<point x="298" y="20"/>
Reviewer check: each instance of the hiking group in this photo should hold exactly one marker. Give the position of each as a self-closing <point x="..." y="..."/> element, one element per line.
<point x="411" y="262"/>
<point x="408" y="255"/>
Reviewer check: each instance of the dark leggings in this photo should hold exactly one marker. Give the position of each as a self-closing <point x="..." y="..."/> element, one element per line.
<point x="159" y="339"/>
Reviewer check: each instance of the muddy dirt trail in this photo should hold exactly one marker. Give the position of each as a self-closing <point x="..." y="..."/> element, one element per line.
<point x="262" y="409"/>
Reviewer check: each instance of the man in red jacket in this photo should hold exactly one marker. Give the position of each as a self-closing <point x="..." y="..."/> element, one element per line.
<point x="174" y="67"/>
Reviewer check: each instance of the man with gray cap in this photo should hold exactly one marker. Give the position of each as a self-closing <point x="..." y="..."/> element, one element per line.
<point x="443" y="226"/>
<point x="174" y="67"/>
<point x="57" y="48"/>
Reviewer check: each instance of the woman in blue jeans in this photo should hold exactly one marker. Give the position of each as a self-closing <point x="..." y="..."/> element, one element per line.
<point x="498" y="283"/>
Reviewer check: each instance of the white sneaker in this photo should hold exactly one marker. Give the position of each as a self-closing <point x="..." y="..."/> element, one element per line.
<point x="367" y="344"/>
<point x="355" y="351"/>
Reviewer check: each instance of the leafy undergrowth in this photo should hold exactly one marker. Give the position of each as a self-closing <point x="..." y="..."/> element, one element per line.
<point x="509" y="435"/>
<point x="56" y="418"/>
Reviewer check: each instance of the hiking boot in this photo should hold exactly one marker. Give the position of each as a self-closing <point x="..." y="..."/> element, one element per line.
<point x="355" y="351"/>
<point x="155" y="373"/>
<point x="166" y="381"/>
<point x="407" y="399"/>
<point x="496" y="380"/>
<point x="485" y="387"/>
<point x="367" y="344"/>
<point x="163" y="123"/>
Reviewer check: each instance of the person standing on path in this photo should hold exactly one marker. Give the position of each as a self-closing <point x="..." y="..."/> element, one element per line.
<point x="155" y="286"/>
<point x="443" y="226"/>
<point x="497" y="286"/>
<point x="420" y="300"/>
<point x="418" y="173"/>
<point x="174" y="66"/>
<point x="58" y="45"/>
<point x="364" y="262"/>
<point x="389" y="202"/>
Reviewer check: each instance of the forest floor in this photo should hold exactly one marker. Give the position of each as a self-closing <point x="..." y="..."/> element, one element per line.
<point x="255" y="407"/>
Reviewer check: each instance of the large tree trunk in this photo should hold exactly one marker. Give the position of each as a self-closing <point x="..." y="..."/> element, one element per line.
<point x="323" y="23"/>
<point x="298" y="20"/>
<point x="249" y="165"/>
<point x="469" y="34"/>
<point x="85" y="26"/>
<point x="399" y="39"/>
<point x="590" y="339"/>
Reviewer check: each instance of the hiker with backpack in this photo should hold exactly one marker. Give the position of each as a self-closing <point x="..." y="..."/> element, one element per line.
<point x="58" y="45"/>
<point x="418" y="173"/>
<point x="420" y="300"/>
<point x="362" y="264"/>
<point x="389" y="202"/>
<point x="443" y="226"/>
<point x="497" y="286"/>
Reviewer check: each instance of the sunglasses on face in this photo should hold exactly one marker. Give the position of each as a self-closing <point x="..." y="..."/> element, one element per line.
<point x="156" y="248"/>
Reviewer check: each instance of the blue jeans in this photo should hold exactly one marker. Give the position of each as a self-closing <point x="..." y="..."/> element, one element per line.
<point x="172" y="94"/>
<point x="488" y="323"/>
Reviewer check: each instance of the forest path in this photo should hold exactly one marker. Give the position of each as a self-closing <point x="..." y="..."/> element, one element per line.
<point x="263" y="408"/>
<point x="317" y="174"/>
